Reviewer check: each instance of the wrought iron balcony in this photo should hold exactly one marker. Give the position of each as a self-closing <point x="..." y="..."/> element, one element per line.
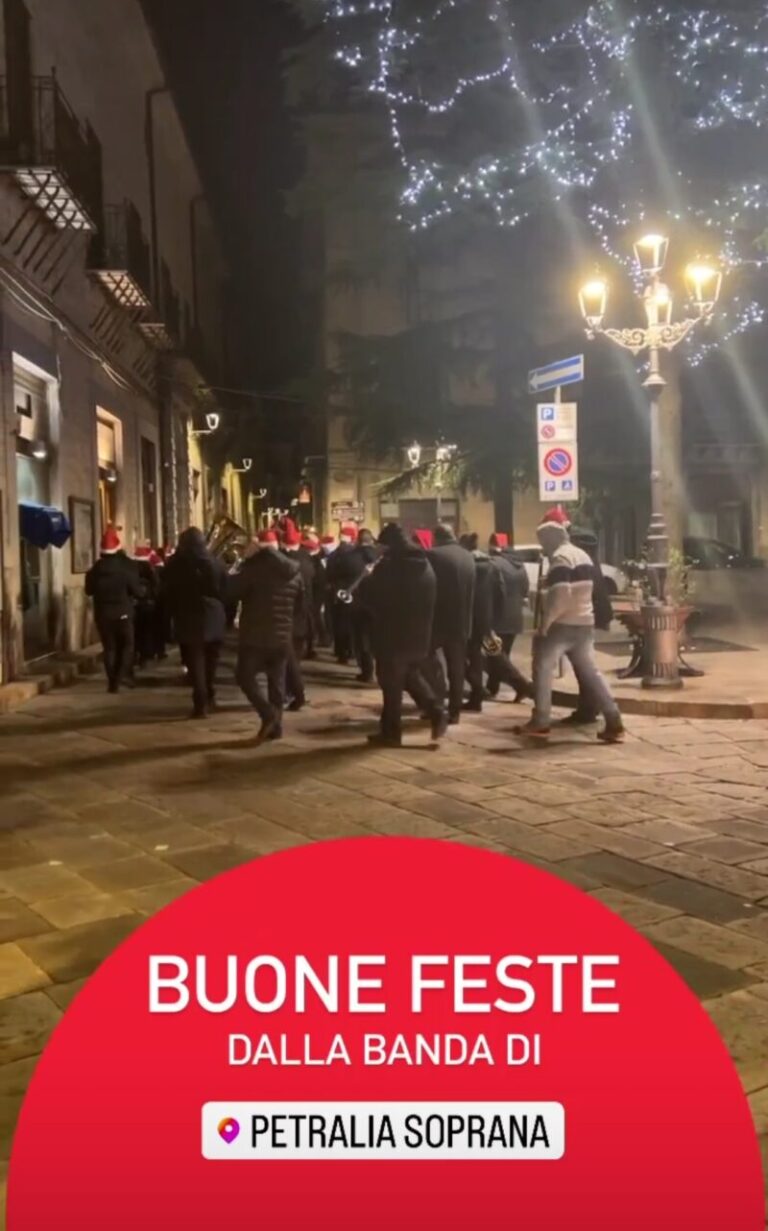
<point x="164" y="332"/>
<point x="56" y="162"/>
<point x="120" y="256"/>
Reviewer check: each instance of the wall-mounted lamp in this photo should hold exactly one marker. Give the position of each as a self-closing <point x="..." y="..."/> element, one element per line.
<point x="246" y="466"/>
<point x="212" y="421"/>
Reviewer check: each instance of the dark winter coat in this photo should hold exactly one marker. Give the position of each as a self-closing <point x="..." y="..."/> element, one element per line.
<point x="488" y="609"/>
<point x="113" y="584"/>
<point x="601" y="599"/>
<point x="400" y="595"/>
<point x="514" y="579"/>
<point x="150" y="584"/>
<point x="271" y="591"/>
<point x="455" y="573"/>
<point x="347" y="565"/>
<point x="194" y="585"/>
<point x="303" y="614"/>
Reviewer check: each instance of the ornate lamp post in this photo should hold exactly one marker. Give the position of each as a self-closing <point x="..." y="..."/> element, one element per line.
<point x="703" y="284"/>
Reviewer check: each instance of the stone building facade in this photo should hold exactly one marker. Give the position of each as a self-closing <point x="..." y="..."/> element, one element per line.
<point x="111" y="308"/>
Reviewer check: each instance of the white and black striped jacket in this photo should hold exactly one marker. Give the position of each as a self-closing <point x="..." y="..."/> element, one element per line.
<point x="568" y="589"/>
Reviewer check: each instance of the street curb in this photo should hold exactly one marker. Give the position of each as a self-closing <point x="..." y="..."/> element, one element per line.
<point x="678" y="707"/>
<point x="56" y="673"/>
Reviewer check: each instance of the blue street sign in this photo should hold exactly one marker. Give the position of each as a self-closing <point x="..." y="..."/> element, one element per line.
<point x="554" y="375"/>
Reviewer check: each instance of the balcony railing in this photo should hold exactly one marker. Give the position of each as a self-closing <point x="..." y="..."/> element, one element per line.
<point x="120" y="256"/>
<point x="56" y="161"/>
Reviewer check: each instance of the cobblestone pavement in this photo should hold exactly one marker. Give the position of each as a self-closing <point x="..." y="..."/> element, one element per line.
<point x="114" y="806"/>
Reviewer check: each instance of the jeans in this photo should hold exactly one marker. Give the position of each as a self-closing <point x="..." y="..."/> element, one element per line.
<point x="116" y="636"/>
<point x="251" y="662"/>
<point x="397" y="673"/>
<point x="578" y="644"/>
<point x="201" y="658"/>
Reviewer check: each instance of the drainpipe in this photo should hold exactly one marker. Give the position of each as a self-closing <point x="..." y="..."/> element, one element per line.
<point x="168" y="460"/>
<point x="149" y="140"/>
<point x="193" y="256"/>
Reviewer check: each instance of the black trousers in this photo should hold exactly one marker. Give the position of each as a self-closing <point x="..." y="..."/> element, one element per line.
<point x="342" y="631"/>
<point x="201" y="658"/>
<point x="116" y="636"/>
<point x="397" y="674"/>
<point x="454" y="652"/>
<point x="361" y="636"/>
<point x="506" y="672"/>
<point x="501" y="669"/>
<point x="253" y="662"/>
<point x="294" y="680"/>
<point x="145" y="632"/>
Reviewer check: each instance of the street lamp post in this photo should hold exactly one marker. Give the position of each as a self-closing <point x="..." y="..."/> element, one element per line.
<point x="703" y="285"/>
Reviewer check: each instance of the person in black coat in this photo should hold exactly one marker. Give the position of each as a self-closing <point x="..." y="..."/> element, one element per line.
<point x="488" y="611"/>
<point x="510" y="618"/>
<point x="113" y="584"/>
<point x="194" y="588"/>
<point x="146" y="607"/>
<point x="400" y="594"/>
<point x="455" y="573"/>
<point x="344" y="568"/>
<point x="270" y="591"/>
<point x="366" y="554"/>
<point x="302" y="625"/>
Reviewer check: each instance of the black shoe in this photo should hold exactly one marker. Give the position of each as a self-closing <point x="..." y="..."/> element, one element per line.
<point x="297" y="705"/>
<point x="365" y="679"/>
<point x="454" y="719"/>
<point x="613" y="733"/>
<point x="275" y="735"/>
<point x="199" y="713"/>
<point x="268" y="731"/>
<point x="439" y="725"/>
<point x="385" y="741"/>
<point x="473" y="707"/>
<point x="577" y="719"/>
<point x="113" y="688"/>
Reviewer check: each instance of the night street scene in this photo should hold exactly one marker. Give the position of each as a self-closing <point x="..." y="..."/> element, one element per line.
<point x="384" y="451"/>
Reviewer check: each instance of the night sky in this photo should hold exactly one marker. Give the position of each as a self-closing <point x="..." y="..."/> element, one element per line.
<point x="223" y="61"/>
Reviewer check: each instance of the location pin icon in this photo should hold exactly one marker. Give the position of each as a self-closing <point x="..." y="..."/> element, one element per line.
<point x="229" y="1130"/>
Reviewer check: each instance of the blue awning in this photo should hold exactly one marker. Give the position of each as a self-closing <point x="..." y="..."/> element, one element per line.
<point x="43" y="526"/>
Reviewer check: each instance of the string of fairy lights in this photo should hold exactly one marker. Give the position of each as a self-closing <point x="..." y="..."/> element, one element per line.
<point x="576" y="103"/>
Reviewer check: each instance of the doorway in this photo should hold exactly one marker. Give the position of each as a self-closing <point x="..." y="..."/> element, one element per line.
<point x="35" y="564"/>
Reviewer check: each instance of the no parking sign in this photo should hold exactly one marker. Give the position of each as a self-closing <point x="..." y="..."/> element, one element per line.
<point x="558" y="451"/>
<point x="558" y="472"/>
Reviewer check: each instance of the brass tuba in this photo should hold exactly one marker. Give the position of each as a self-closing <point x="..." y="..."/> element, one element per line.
<point x="227" y="537"/>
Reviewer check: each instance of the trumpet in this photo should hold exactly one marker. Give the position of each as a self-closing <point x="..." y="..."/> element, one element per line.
<point x="347" y="597"/>
<point x="492" y="646"/>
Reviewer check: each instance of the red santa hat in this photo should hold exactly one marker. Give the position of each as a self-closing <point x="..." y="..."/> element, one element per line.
<point x="145" y="552"/>
<point x="110" y="542"/>
<point x="556" y="516"/>
<point x="311" y="543"/>
<point x="499" y="540"/>
<point x="291" y="538"/>
<point x="268" y="538"/>
<point x="348" y="533"/>
<point x="424" y="538"/>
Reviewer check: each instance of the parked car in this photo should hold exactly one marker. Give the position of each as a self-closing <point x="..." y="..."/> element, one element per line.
<point x="529" y="554"/>
<point x="709" y="554"/>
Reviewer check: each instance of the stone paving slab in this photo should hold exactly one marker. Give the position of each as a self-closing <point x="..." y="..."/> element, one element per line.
<point x="112" y="807"/>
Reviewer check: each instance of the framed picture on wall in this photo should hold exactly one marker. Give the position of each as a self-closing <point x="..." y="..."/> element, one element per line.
<point x="82" y="517"/>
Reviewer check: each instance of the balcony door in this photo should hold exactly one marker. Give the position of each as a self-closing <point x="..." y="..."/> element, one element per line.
<point x="18" y="60"/>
